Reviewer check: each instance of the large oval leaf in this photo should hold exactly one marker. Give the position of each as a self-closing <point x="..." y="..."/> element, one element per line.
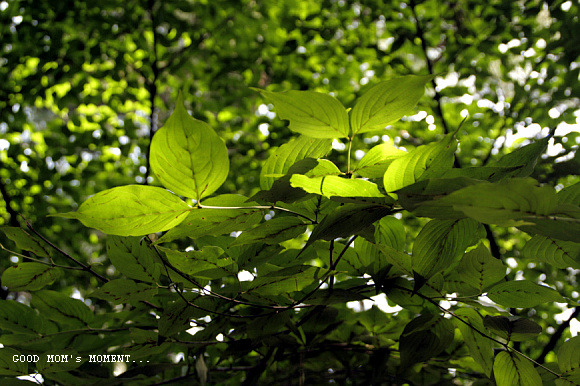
<point x="311" y="113"/>
<point x="132" y="210"/>
<point x="187" y="156"/>
<point x="522" y="294"/>
<point x="387" y="102"/>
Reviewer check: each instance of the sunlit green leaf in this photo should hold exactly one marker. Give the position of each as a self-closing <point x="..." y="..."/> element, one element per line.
<point x="131" y="210"/>
<point x="124" y="291"/>
<point x="423" y="162"/>
<point x="29" y="276"/>
<point x="311" y="113"/>
<point x="375" y="163"/>
<point x="511" y="369"/>
<point x="387" y="102"/>
<point x="561" y="254"/>
<point x="273" y="231"/>
<point x="440" y="243"/>
<point x="208" y="263"/>
<point x="288" y="154"/>
<point x="133" y="258"/>
<point x="26" y="241"/>
<point x="187" y="156"/>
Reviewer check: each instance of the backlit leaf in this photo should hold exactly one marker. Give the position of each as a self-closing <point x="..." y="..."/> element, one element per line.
<point x="423" y="162"/>
<point x="124" y="291"/>
<point x="311" y="113"/>
<point x="133" y="258"/>
<point x="26" y="241"/>
<point x="187" y="156"/>
<point x="522" y="294"/>
<point x="273" y="231"/>
<point x="375" y="163"/>
<point x="288" y="154"/>
<point x="209" y="262"/>
<point x="511" y="369"/>
<point x="62" y="309"/>
<point x="29" y="276"/>
<point x="561" y="254"/>
<point x="480" y="347"/>
<point x="387" y="102"/>
<point x="131" y="210"/>
<point x="569" y="360"/>
<point x="440" y="243"/>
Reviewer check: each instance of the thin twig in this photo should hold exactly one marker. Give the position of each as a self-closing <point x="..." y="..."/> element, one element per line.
<point x="85" y="267"/>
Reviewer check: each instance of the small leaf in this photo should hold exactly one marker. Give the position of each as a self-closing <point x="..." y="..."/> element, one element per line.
<point x="522" y="294"/>
<point x="513" y="370"/>
<point x="427" y="161"/>
<point x="311" y="113"/>
<point x="440" y="243"/>
<point x="291" y="279"/>
<point x="480" y="347"/>
<point x="561" y="254"/>
<point x="334" y="296"/>
<point x="62" y="309"/>
<point x="133" y="258"/>
<point x="391" y="232"/>
<point x="272" y="231"/>
<point x="7" y="364"/>
<point x="209" y="263"/>
<point x="346" y="221"/>
<point x="513" y="328"/>
<point x="387" y="102"/>
<point x="424" y="337"/>
<point x="375" y="163"/>
<point x="331" y="186"/>
<point x="124" y="291"/>
<point x="215" y="222"/>
<point x="288" y="154"/>
<point x="131" y="210"/>
<point x="26" y="241"/>
<point x="29" y="276"/>
<point x="187" y="156"/>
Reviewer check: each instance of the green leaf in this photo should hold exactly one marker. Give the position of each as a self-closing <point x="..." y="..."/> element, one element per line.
<point x="125" y="291"/>
<point x="480" y="347"/>
<point x="334" y="296"/>
<point x="273" y="231"/>
<point x="424" y="337"/>
<point x="26" y="241"/>
<point x="59" y="360"/>
<point x="19" y="318"/>
<point x="427" y="161"/>
<point x="187" y="156"/>
<point x="131" y="210"/>
<point x="62" y="309"/>
<point x="513" y="328"/>
<point x="440" y="243"/>
<point x="291" y="279"/>
<point x="570" y="194"/>
<point x="7" y="364"/>
<point x="29" y="276"/>
<point x="386" y="102"/>
<point x="288" y="154"/>
<point x="331" y="186"/>
<point x="133" y="258"/>
<point x="513" y="370"/>
<point x="561" y="254"/>
<point x="311" y="113"/>
<point x="346" y="221"/>
<point x="569" y="360"/>
<point x="518" y="163"/>
<point x="398" y="259"/>
<point x="517" y="202"/>
<point x="209" y="263"/>
<point x="216" y="222"/>
<point x="522" y="294"/>
<point x="479" y="269"/>
<point x="423" y="198"/>
<point x="391" y="232"/>
<point x="375" y="163"/>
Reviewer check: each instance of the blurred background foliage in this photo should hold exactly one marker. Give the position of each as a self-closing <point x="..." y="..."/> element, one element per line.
<point x="84" y="85"/>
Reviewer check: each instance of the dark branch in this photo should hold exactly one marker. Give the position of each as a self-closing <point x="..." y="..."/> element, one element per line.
<point x="557" y="335"/>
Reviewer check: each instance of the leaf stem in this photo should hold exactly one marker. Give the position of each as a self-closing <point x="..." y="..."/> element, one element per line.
<point x="264" y="207"/>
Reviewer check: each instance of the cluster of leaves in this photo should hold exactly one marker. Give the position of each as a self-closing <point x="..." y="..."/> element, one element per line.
<point x="313" y="239"/>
